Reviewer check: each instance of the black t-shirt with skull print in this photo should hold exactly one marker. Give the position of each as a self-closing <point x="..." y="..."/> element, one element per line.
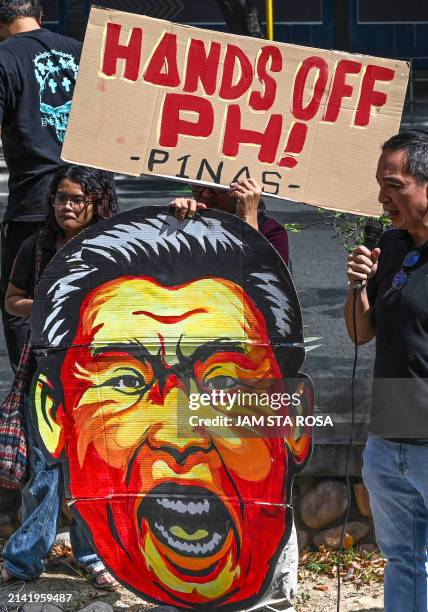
<point x="38" y="70"/>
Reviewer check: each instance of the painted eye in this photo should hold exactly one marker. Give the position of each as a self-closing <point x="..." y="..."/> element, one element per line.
<point x="131" y="384"/>
<point x="220" y="382"/>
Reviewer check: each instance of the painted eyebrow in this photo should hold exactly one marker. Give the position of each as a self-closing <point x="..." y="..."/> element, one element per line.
<point x="215" y="346"/>
<point x="200" y="353"/>
<point x="121" y="347"/>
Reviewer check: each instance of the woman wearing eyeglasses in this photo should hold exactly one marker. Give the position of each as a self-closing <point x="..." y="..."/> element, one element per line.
<point x="78" y="197"/>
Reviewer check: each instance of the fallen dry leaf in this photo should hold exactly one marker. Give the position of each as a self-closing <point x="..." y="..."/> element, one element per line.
<point x="321" y="587"/>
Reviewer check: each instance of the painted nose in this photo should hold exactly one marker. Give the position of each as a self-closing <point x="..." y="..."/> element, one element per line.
<point x="175" y="436"/>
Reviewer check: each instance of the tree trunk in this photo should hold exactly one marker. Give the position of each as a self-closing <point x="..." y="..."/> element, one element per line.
<point x="241" y="17"/>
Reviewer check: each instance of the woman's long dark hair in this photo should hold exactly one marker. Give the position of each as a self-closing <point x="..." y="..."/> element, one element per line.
<point x="98" y="184"/>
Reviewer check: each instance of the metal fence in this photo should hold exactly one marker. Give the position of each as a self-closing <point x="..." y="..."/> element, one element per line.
<point x="416" y="106"/>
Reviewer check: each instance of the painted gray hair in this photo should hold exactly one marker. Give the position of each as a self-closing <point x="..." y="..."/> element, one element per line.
<point x="145" y="242"/>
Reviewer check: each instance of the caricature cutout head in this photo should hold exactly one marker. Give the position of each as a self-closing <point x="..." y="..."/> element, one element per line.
<point x="131" y="317"/>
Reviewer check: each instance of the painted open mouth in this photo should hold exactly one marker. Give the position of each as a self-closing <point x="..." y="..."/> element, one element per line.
<point x="191" y="521"/>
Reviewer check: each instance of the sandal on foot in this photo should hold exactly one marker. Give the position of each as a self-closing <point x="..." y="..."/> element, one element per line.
<point x="95" y="580"/>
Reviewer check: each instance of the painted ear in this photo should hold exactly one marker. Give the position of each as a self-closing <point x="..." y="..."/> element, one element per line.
<point x="47" y="416"/>
<point x="299" y="442"/>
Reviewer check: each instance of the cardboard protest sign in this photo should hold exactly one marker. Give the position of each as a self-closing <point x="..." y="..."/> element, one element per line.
<point x="159" y="98"/>
<point x="154" y="340"/>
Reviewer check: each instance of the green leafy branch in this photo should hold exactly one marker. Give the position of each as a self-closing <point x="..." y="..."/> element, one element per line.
<point x="349" y="229"/>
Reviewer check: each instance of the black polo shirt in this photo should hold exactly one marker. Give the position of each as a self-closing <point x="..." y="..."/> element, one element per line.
<point x="400" y="316"/>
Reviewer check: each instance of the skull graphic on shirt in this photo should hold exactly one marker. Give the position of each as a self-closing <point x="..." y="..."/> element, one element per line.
<point x="56" y="73"/>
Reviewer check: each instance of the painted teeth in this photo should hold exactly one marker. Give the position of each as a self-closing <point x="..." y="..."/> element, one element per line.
<point x="184" y="507"/>
<point x="188" y="547"/>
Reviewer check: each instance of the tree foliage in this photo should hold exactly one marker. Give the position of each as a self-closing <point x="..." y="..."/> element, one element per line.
<point x="348" y="228"/>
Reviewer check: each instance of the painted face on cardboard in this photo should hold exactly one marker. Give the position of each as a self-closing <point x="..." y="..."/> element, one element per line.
<point x="177" y="517"/>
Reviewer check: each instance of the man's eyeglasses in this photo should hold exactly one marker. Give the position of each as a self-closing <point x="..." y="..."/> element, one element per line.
<point x="200" y="188"/>
<point x="411" y="259"/>
<point x="76" y="202"/>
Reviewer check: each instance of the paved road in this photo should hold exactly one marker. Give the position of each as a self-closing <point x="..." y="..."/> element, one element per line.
<point x="319" y="275"/>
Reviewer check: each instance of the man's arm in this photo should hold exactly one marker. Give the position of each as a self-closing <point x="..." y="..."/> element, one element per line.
<point x="362" y="265"/>
<point x="248" y="194"/>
